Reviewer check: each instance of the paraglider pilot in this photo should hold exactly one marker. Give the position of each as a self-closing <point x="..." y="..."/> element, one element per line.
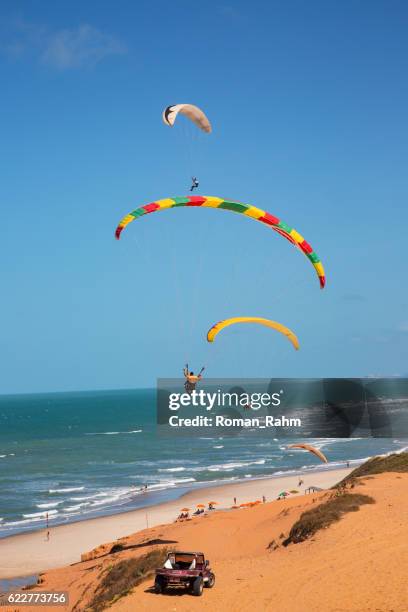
<point x="191" y="378"/>
<point x="194" y="183"/>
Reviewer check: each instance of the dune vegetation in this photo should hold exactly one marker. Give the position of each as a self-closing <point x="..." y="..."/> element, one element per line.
<point x="122" y="577"/>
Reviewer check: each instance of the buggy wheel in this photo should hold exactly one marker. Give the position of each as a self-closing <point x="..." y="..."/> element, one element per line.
<point x="210" y="582"/>
<point x="158" y="586"/>
<point x="198" y="586"/>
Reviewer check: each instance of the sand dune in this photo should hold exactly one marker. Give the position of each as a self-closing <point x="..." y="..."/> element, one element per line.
<point x="357" y="564"/>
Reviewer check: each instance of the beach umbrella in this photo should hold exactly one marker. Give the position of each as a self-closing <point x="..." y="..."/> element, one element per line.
<point x="243" y="505"/>
<point x="185" y="510"/>
<point x="294" y="491"/>
<point x="200" y="505"/>
<point x="213" y="503"/>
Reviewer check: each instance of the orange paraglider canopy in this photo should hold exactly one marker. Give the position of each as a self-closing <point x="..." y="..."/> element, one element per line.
<point x="312" y="449"/>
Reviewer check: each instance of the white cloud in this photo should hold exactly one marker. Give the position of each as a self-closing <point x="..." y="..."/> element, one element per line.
<point x="79" y="47"/>
<point x="82" y="47"/>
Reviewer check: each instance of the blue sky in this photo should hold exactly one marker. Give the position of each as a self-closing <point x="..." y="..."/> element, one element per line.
<point x="308" y="102"/>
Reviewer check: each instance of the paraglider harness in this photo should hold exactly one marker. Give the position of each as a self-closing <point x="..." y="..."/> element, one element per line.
<point x="190" y="385"/>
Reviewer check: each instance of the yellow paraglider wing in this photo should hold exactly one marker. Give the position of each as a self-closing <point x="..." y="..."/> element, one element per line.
<point x="311" y="449"/>
<point x="195" y="114"/>
<point x="215" y="329"/>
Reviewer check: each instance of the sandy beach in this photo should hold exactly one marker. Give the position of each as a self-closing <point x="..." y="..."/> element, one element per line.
<point x="31" y="553"/>
<point x="355" y="563"/>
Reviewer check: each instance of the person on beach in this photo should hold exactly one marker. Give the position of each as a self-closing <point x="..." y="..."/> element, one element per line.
<point x="300" y="482"/>
<point x="263" y="499"/>
<point x="235" y="501"/>
<point x="191" y="379"/>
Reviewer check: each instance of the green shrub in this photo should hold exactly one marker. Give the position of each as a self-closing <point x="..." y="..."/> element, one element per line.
<point x="124" y="576"/>
<point x="397" y="462"/>
<point x="324" y="515"/>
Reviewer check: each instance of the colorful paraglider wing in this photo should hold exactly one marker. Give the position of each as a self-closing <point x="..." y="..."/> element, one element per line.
<point x="238" y="207"/>
<point x="215" y="329"/>
<point x="311" y="449"/>
<point x="195" y="114"/>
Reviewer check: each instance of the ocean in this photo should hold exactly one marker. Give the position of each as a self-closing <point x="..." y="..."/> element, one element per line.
<point x="75" y="456"/>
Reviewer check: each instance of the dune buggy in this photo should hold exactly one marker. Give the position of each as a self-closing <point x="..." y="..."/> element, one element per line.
<point x="185" y="569"/>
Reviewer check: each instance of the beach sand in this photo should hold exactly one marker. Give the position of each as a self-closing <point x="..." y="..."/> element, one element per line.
<point x="357" y="564"/>
<point x="31" y="553"/>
